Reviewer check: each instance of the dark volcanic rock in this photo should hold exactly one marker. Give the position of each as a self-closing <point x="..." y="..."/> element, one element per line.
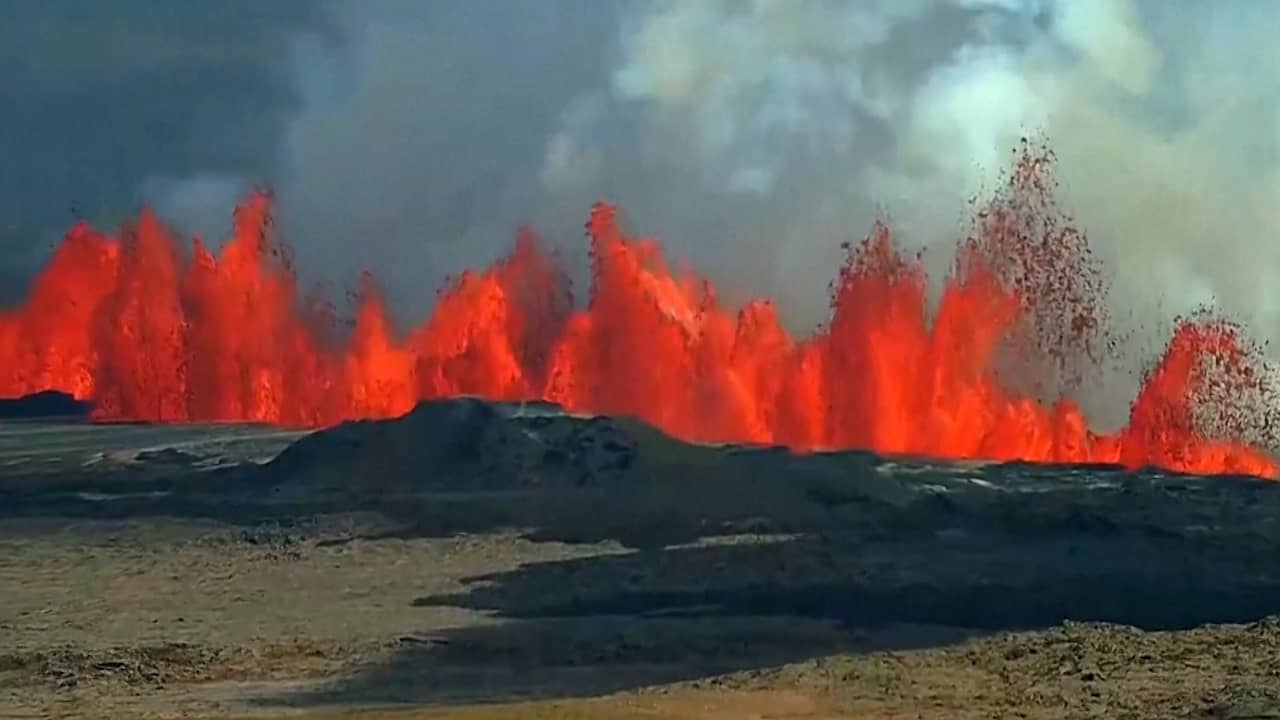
<point x="872" y="539"/>
<point x="469" y="445"/>
<point x="735" y="558"/>
<point x="43" y="405"/>
<point x="588" y="478"/>
<point x="852" y="536"/>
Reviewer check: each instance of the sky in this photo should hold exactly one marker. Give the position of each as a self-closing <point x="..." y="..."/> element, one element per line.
<point x="751" y="136"/>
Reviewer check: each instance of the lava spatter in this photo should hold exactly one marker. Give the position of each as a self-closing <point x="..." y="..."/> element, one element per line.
<point x="151" y="330"/>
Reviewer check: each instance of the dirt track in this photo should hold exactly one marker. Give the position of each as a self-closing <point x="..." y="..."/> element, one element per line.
<point x="165" y="594"/>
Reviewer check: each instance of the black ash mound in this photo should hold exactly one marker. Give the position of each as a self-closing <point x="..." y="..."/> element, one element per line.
<point x="623" y="473"/>
<point x="45" y="405"/>
<point x="471" y="445"/>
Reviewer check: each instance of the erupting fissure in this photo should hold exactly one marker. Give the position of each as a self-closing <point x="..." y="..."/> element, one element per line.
<point x="149" y="331"/>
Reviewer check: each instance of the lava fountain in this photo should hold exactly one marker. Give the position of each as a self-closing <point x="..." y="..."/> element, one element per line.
<point x="152" y="330"/>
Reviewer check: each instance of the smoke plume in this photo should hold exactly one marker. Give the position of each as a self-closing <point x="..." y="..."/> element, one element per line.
<point x="1163" y="119"/>
<point x="751" y="136"/>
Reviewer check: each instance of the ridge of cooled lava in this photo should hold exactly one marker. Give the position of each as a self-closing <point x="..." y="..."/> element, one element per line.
<point x="150" y="330"/>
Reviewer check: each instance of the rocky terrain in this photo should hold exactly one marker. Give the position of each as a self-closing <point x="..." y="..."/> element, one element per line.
<point x="474" y="555"/>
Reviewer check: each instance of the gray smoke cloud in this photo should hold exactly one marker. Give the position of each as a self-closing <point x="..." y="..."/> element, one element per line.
<point x="424" y="157"/>
<point x="754" y="136"/>
<point x="105" y="104"/>
<point x="751" y="136"/>
<point x="1163" y="117"/>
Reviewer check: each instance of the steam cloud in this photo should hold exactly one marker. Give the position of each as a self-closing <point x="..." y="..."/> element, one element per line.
<point x="753" y="136"/>
<point x="1163" y="117"/>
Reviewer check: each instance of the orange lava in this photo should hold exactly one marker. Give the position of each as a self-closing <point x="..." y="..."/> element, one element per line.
<point x="150" y="330"/>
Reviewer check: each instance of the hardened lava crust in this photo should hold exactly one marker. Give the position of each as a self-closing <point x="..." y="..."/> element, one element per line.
<point x="486" y="560"/>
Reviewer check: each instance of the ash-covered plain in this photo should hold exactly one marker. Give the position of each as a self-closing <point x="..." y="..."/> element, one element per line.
<point x="474" y="552"/>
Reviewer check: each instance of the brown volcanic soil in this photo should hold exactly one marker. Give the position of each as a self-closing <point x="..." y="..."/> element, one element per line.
<point x="541" y="566"/>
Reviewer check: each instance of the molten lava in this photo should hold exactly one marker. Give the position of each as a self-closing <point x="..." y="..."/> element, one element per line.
<point x="148" y="330"/>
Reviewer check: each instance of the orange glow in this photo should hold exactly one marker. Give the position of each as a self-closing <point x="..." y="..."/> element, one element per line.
<point x="151" y="332"/>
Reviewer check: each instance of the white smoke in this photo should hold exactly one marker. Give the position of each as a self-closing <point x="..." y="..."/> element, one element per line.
<point x="197" y="205"/>
<point x="1163" y="117"/>
<point x="753" y="136"/>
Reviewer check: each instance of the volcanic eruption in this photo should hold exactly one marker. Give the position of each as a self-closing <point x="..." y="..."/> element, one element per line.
<point x="151" y="330"/>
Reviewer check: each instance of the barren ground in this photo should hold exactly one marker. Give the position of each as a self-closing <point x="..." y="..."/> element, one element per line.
<point x="177" y="585"/>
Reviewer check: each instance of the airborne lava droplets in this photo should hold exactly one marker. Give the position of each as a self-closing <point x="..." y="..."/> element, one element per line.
<point x="151" y="332"/>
